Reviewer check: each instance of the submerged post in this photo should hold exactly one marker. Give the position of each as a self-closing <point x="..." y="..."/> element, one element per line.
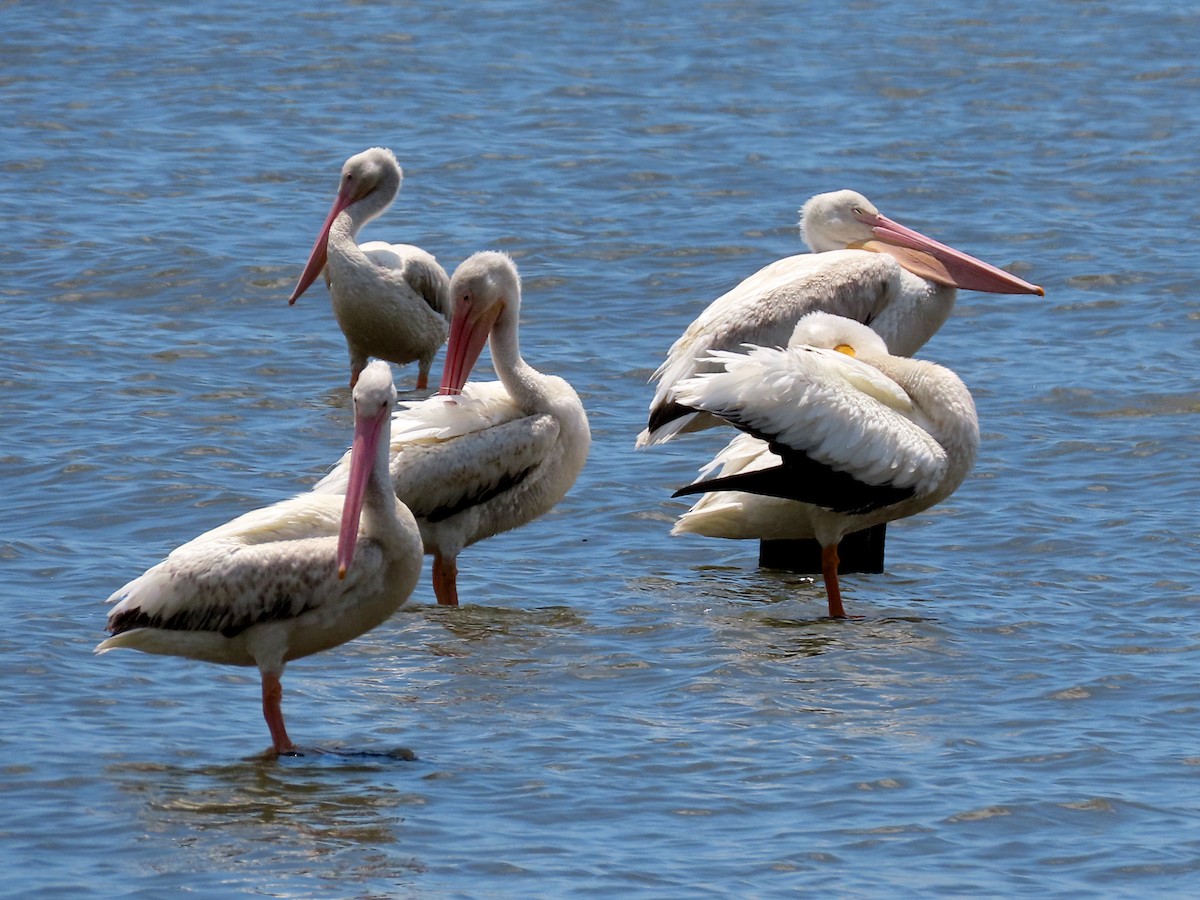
<point x="861" y="551"/>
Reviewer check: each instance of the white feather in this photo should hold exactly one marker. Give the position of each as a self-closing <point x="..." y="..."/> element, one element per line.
<point x="884" y="420"/>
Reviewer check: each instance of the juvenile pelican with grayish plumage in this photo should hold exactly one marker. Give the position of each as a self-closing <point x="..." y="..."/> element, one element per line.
<point x="483" y="458"/>
<point x="839" y="435"/>
<point x="288" y="580"/>
<point x="863" y="266"/>
<point x="390" y="300"/>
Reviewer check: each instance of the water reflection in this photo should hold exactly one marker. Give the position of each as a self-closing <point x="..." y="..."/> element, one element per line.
<point x="338" y="814"/>
<point x="476" y="623"/>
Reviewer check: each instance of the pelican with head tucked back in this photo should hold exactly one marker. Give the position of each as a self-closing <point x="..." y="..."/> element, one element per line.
<point x="287" y="580"/>
<point x="390" y="300"/>
<point x="838" y="435"/>
<point x="483" y="458"/>
<point x="864" y="266"/>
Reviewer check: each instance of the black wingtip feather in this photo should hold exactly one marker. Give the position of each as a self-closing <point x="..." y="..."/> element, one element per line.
<point x="667" y="413"/>
<point x="801" y="478"/>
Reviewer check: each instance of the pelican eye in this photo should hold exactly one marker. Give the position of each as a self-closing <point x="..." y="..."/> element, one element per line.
<point x="845" y="348"/>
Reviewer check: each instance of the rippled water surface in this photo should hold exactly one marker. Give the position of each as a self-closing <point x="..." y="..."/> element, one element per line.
<point x="614" y="712"/>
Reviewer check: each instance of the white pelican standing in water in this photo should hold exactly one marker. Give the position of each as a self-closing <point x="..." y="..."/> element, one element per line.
<point x="390" y="300"/>
<point x="839" y="435"/>
<point x="863" y="266"/>
<point x="482" y="458"/>
<point x="287" y="580"/>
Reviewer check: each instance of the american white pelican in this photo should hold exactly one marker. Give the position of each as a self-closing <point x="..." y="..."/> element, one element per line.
<point x="286" y="580"/>
<point x="390" y="300"/>
<point x="482" y="458"/>
<point x="864" y="266"/>
<point x="833" y="442"/>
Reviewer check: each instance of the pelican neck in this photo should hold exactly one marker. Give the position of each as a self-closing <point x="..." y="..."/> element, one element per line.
<point x="523" y="381"/>
<point x="353" y="218"/>
<point x="379" y="501"/>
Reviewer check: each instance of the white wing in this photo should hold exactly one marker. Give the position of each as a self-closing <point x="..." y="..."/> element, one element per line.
<point x="448" y="453"/>
<point x="741" y="516"/>
<point x="745" y="453"/>
<point x="834" y="409"/>
<point x="389" y="256"/>
<point x="440" y="478"/>
<point x="302" y="516"/>
<point x="763" y="310"/>
<point x="416" y="267"/>
<point x="481" y="405"/>
<point x="226" y="586"/>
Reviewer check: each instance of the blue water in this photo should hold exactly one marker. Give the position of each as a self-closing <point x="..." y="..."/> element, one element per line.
<point x="613" y="712"/>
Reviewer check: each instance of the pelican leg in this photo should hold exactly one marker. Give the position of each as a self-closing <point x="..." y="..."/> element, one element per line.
<point x="422" y="378"/>
<point x="829" y="567"/>
<point x="272" y="695"/>
<point x="445" y="580"/>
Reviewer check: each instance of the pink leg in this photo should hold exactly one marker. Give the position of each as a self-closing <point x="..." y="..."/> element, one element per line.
<point x="272" y="694"/>
<point x="829" y="567"/>
<point x="445" y="580"/>
<point x="422" y="380"/>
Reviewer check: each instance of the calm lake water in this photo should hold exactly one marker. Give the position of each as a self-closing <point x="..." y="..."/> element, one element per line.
<point x="613" y="712"/>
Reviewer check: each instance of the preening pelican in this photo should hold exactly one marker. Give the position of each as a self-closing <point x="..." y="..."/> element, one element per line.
<point x="287" y="580"/>
<point x="864" y="266"/>
<point x="482" y="458"/>
<point x="833" y="442"/>
<point x="390" y="300"/>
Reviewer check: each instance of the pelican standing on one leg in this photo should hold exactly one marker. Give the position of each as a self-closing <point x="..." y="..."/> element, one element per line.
<point x="864" y="266"/>
<point x="390" y="300"/>
<point x="287" y="580"/>
<point x="483" y="458"/>
<point x="839" y="435"/>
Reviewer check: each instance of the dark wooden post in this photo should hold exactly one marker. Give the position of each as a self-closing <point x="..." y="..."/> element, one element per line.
<point x="861" y="551"/>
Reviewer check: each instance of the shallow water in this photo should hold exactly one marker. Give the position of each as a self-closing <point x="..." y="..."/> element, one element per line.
<point x="614" y="712"/>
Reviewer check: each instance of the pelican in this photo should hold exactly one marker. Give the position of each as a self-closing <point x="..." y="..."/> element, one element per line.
<point x="479" y="459"/>
<point x="390" y="300"/>
<point x="833" y="442"/>
<point x="863" y="266"/>
<point x="287" y="580"/>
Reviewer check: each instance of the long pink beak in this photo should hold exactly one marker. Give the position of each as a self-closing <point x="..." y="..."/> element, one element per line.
<point x="934" y="261"/>
<point x="320" y="251"/>
<point x="469" y="331"/>
<point x="362" y="461"/>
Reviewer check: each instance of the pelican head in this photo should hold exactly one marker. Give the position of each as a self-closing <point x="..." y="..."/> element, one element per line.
<point x="484" y="286"/>
<point x="374" y="399"/>
<point x="363" y="174"/>
<point x="846" y="220"/>
<point x="836" y="220"/>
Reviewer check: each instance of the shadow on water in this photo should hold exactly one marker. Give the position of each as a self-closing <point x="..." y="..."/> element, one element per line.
<point x="776" y="616"/>
<point x="402" y="754"/>
<point x="753" y="587"/>
<point x="337" y="811"/>
<point x="480" y="622"/>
